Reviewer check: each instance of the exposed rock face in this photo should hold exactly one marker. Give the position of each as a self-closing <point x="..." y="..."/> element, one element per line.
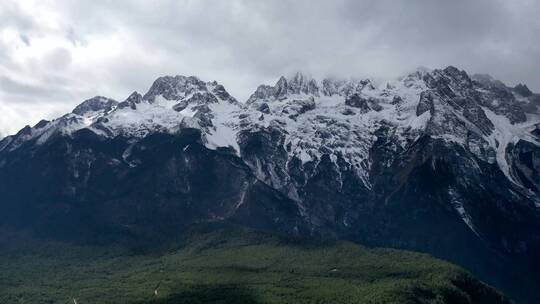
<point x="523" y="90"/>
<point x="96" y="105"/>
<point x="499" y="99"/>
<point x="435" y="161"/>
<point x="356" y="101"/>
<point x="132" y="101"/>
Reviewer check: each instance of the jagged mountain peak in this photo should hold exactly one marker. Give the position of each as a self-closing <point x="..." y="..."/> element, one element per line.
<point x="174" y="87"/>
<point x="172" y="103"/>
<point x="302" y="85"/>
<point x="94" y="105"/>
<point x="183" y="87"/>
<point x="295" y="84"/>
<point x="450" y="76"/>
<point x="443" y="103"/>
<point x="488" y="81"/>
<point x="298" y="83"/>
<point x="132" y="101"/>
<point x="523" y="90"/>
<point x="451" y="73"/>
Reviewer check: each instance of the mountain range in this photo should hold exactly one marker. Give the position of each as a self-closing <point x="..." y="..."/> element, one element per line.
<point x="436" y="161"/>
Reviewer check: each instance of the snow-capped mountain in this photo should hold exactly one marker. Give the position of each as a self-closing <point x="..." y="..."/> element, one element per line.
<point x="437" y="161"/>
<point x="335" y="117"/>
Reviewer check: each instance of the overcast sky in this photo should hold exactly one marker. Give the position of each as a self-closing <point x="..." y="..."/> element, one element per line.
<point x="54" y="54"/>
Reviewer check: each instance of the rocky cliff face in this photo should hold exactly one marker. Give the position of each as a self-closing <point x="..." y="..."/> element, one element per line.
<point x="437" y="161"/>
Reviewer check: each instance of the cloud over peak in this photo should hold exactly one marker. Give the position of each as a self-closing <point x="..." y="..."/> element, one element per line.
<point x="53" y="54"/>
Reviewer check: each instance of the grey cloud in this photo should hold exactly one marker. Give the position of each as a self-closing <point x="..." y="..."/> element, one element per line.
<point x="25" y="40"/>
<point x="243" y="43"/>
<point x="11" y="86"/>
<point x="58" y="59"/>
<point x="74" y="38"/>
<point x="270" y="38"/>
<point x="50" y="89"/>
<point x="12" y="15"/>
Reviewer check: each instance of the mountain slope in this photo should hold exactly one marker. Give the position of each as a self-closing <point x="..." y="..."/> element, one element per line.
<point x="436" y="161"/>
<point x="224" y="264"/>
